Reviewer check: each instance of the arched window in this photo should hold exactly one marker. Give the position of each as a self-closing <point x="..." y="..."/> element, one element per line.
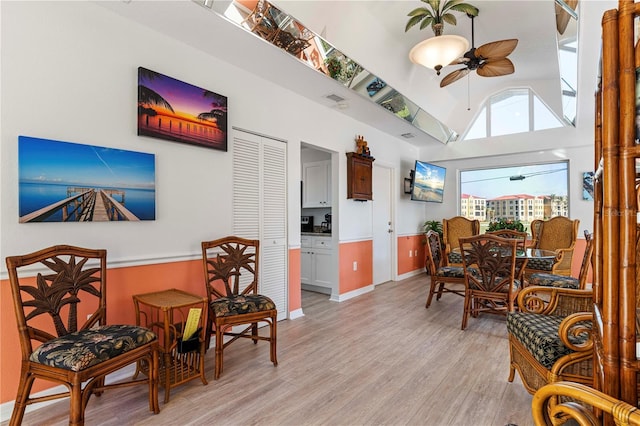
<point x="512" y="111"/>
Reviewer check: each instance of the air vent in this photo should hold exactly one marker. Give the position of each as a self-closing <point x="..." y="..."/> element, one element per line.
<point x="408" y="135"/>
<point x="335" y="98"/>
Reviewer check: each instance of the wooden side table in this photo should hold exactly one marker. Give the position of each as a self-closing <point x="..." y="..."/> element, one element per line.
<point x="166" y="312"/>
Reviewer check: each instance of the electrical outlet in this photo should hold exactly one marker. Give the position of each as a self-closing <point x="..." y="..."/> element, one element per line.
<point x="410" y="253"/>
<point x="355" y="266"/>
<point x="415" y="253"/>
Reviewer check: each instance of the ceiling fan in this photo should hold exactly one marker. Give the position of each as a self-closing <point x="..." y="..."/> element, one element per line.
<point x="488" y="60"/>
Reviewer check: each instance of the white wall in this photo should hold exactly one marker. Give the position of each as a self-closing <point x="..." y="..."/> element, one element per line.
<point x="69" y="73"/>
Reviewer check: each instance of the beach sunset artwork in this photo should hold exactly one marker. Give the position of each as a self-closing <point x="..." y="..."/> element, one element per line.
<point x="70" y="182"/>
<point x="177" y="111"/>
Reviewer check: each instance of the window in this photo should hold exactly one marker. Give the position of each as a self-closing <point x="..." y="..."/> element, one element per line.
<point x="523" y="193"/>
<point x="512" y="111"/>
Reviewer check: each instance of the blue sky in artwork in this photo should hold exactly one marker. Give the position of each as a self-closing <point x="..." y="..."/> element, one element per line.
<point x="54" y="162"/>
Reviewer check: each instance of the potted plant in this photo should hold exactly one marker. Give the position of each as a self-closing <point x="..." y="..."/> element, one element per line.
<point x="437" y="12"/>
<point x="504" y="223"/>
<point x="334" y="66"/>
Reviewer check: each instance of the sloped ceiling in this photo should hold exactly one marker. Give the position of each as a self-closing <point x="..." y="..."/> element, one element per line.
<point x="372" y="33"/>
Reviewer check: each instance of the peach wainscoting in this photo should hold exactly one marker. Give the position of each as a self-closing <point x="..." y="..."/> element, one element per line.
<point x="123" y="283"/>
<point x="362" y="253"/>
<point x="410" y="253"/>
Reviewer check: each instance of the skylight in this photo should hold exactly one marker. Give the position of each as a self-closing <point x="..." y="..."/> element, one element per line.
<point x="512" y="111"/>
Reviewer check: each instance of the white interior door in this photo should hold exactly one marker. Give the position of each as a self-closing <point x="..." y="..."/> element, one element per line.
<point x="383" y="235"/>
<point x="260" y="209"/>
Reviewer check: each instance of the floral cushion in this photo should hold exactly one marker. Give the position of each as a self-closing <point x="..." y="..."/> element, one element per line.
<point x="539" y="335"/>
<point x="450" y="272"/>
<point x="541" y="264"/>
<point x="227" y="306"/>
<point x="553" y="280"/>
<point x="83" y="349"/>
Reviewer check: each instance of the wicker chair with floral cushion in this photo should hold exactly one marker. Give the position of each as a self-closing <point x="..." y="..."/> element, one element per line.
<point x="452" y="230"/>
<point x="70" y="282"/>
<point x="444" y="279"/>
<point x="490" y="275"/>
<point x="557" y="234"/>
<point x="519" y="236"/>
<point x="553" y="280"/>
<point x="550" y="337"/>
<point x="231" y="280"/>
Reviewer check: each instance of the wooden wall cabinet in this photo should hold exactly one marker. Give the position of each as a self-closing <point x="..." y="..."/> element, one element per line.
<point x="359" y="177"/>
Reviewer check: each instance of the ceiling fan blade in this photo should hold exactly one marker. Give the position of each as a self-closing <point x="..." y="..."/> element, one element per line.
<point x="497" y="49"/>
<point x="454" y="76"/>
<point x="562" y="16"/>
<point x="460" y="61"/>
<point x="496" y="68"/>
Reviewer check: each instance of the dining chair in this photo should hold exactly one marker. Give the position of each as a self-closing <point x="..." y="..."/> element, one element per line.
<point x="519" y="236"/>
<point x="490" y="275"/>
<point x="231" y="279"/>
<point x="52" y="289"/>
<point x="555" y="280"/>
<point x="444" y="279"/>
<point x="452" y="230"/>
<point x="557" y="234"/>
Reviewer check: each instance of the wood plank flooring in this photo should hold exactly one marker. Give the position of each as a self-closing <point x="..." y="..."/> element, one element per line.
<point x="378" y="359"/>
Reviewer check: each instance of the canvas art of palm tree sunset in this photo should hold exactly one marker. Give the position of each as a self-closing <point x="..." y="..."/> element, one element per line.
<point x="174" y="110"/>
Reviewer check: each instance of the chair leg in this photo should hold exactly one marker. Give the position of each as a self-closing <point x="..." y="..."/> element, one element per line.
<point x="219" y="349"/>
<point x="272" y="339"/>
<point x="76" y="407"/>
<point x="154" y="366"/>
<point x="24" y="389"/>
<point x="467" y="308"/>
<point x="432" y="289"/>
<point x="440" y="289"/>
<point x="254" y="333"/>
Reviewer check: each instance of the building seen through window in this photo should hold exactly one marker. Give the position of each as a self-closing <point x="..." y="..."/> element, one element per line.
<point x="517" y="193"/>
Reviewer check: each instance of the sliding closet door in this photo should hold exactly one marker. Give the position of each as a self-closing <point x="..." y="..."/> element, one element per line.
<point x="260" y="208"/>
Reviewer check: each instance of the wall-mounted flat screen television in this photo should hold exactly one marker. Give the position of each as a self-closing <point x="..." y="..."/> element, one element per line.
<point x="428" y="182"/>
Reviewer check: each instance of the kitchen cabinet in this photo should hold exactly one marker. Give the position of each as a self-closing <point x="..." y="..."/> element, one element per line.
<point x="359" y="176"/>
<point x="316" y="257"/>
<point x="316" y="184"/>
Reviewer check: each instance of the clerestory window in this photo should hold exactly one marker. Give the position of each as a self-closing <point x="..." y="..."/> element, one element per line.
<point x="512" y="111"/>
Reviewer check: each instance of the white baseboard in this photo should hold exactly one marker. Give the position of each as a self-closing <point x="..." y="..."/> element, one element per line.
<point x="7" y="408"/>
<point x="411" y="274"/>
<point x="351" y="294"/>
<point x="296" y="314"/>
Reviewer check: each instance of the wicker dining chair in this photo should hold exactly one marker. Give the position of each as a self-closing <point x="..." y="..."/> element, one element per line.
<point x="444" y="279"/>
<point x="452" y="230"/>
<point x="555" y="280"/>
<point x="490" y="275"/>
<point x="519" y="236"/>
<point x="70" y="282"/>
<point x="557" y="234"/>
<point x="231" y="280"/>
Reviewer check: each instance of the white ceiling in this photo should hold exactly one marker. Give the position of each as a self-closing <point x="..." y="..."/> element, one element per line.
<point x="372" y="34"/>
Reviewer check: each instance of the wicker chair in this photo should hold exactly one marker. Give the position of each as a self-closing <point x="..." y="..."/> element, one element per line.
<point x="519" y="236"/>
<point x="260" y="22"/>
<point x="557" y="234"/>
<point x="73" y="284"/>
<point x="231" y="280"/>
<point x="550" y="337"/>
<point x="490" y="275"/>
<point x="452" y="230"/>
<point x="444" y="279"/>
<point x="553" y="280"/>
<point x="544" y="406"/>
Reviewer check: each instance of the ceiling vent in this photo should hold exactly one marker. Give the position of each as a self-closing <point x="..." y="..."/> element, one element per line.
<point x="335" y="98"/>
<point x="408" y="135"/>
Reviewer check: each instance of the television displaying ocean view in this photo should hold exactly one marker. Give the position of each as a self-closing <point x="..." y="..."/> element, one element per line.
<point x="68" y="182"/>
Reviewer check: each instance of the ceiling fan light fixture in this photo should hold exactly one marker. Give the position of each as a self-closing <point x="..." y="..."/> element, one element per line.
<point x="439" y="51"/>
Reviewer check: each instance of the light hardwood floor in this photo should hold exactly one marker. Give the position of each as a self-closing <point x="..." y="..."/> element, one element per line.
<point x="378" y="359"/>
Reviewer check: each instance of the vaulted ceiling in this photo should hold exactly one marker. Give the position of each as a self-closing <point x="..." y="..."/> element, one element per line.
<point x="372" y="33"/>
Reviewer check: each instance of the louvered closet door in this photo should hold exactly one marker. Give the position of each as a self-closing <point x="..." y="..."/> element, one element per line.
<point x="260" y="208"/>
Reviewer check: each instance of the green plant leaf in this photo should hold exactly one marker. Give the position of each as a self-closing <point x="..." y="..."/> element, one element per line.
<point x="449" y="18"/>
<point x="465" y="8"/>
<point x="427" y="21"/>
<point x="420" y="11"/>
<point x="412" y="22"/>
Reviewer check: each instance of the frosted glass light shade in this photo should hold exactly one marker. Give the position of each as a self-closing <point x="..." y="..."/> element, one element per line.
<point x="440" y="51"/>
